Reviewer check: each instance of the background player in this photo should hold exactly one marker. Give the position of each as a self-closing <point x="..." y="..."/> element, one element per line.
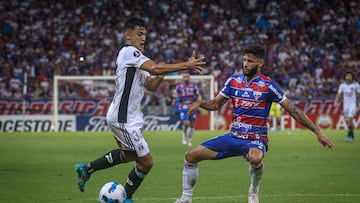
<point x="275" y="116"/>
<point x="251" y="95"/>
<point x="349" y="89"/>
<point x="186" y="93"/>
<point x="124" y="116"/>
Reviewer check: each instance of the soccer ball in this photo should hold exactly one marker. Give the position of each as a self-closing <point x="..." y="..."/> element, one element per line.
<point x="112" y="192"/>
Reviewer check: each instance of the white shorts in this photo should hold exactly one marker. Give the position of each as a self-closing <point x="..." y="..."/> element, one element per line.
<point x="349" y="111"/>
<point x="130" y="139"/>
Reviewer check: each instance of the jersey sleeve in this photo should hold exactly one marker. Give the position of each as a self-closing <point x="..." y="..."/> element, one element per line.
<point x="134" y="57"/>
<point x="226" y="90"/>
<point x="276" y="93"/>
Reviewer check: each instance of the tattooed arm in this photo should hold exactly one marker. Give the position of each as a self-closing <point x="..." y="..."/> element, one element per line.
<point x="302" y="118"/>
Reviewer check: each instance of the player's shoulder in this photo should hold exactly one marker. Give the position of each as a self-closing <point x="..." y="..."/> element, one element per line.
<point x="238" y="77"/>
<point x="265" y="78"/>
<point x="130" y="51"/>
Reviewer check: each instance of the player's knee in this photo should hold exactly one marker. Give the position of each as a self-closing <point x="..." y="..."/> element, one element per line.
<point x="255" y="156"/>
<point x="145" y="164"/>
<point x="189" y="157"/>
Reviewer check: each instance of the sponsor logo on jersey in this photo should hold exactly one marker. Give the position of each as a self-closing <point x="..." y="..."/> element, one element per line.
<point x="245" y="94"/>
<point x="137" y="53"/>
<point x="276" y="92"/>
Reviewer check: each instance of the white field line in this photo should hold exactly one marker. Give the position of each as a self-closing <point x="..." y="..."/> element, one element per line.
<point x="234" y="197"/>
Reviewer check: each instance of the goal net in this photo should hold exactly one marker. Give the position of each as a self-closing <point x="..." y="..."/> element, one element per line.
<point x="87" y="98"/>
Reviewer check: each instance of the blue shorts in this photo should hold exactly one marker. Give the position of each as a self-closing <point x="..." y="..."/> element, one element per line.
<point x="185" y="117"/>
<point x="228" y="146"/>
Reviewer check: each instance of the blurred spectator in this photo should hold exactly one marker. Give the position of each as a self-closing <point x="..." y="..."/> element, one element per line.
<point x="45" y="38"/>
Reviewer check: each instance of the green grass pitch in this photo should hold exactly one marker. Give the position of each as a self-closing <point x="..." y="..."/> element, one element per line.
<point x="39" y="167"/>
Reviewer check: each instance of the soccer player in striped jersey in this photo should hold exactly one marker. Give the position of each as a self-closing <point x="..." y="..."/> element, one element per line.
<point x="350" y="90"/>
<point x="124" y="117"/>
<point x="187" y="93"/>
<point x="251" y="94"/>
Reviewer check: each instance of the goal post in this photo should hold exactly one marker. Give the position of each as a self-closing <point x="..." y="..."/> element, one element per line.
<point x="77" y="79"/>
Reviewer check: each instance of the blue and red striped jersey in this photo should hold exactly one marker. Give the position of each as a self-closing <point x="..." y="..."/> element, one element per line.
<point x="251" y="102"/>
<point x="187" y="94"/>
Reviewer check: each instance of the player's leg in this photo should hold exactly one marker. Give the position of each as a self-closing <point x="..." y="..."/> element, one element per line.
<point x="190" y="171"/>
<point x="110" y="159"/>
<point x="256" y="169"/>
<point x="350" y="134"/>
<point x="191" y="129"/>
<point x="214" y="149"/>
<point x="349" y="113"/>
<point x="137" y="174"/>
<point x="278" y="118"/>
<point x="184" y="120"/>
<point x="186" y="129"/>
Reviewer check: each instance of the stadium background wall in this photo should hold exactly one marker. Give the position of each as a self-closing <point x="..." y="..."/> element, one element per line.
<point x="89" y="115"/>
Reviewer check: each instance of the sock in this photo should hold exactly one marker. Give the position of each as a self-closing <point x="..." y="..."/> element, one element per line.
<point x="256" y="172"/>
<point x="133" y="181"/>
<point x="189" y="177"/>
<point x="351" y="131"/>
<point x="110" y="159"/>
<point x="190" y="133"/>
<point x="185" y="134"/>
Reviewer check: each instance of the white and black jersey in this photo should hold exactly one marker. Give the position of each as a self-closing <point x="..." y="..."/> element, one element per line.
<point x="350" y="92"/>
<point x="130" y="83"/>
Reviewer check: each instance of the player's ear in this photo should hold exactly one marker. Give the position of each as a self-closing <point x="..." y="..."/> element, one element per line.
<point x="127" y="35"/>
<point x="261" y="63"/>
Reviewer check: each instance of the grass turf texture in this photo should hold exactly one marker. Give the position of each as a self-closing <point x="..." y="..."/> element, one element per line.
<point x="39" y="167"/>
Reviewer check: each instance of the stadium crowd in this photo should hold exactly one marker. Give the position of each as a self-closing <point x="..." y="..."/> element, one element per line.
<point x="310" y="43"/>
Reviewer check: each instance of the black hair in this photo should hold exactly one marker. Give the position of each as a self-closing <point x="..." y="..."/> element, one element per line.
<point x="257" y="50"/>
<point x="133" y="22"/>
<point x="351" y="73"/>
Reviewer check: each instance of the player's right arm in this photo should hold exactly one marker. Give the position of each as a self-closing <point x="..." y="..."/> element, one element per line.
<point x="337" y="96"/>
<point x="210" y="105"/>
<point x="164" y="68"/>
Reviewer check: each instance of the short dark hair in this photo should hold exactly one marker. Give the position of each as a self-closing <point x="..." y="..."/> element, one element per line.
<point x="133" y="22"/>
<point x="351" y="73"/>
<point x="257" y="50"/>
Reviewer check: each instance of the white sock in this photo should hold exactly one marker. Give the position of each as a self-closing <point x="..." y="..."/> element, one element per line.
<point x="184" y="138"/>
<point x="256" y="172"/>
<point x="189" y="177"/>
<point x="190" y="132"/>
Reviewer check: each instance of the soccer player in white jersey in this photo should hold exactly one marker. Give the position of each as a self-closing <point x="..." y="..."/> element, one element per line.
<point x="124" y="117"/>
<point x="350" y="89"/>
<point x="251" y="94"/>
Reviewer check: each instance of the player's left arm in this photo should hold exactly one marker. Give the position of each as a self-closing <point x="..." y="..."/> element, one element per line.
<point x="302" y="118"/>
<point x="152" y="83"/>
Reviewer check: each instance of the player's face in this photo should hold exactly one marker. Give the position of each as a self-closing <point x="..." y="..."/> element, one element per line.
<point x="251" y="66"/>
<point x="186" y="78"/>
<point x="136" y="37"/>
<point x="349" y="78"/>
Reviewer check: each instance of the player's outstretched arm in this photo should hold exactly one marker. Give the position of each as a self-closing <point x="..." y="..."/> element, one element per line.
<point x="302" y="118"/>
<point x="193" y="63"/>
<point x="210" y="105"/>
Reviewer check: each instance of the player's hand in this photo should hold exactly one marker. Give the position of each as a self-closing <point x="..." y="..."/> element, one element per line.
<point x="196" y="63"/>
<point x="193" y="107"/>
<point x="325" y="141"/>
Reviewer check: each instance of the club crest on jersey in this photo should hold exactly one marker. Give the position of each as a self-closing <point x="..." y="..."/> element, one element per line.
<point x="136" y="53"/>
<point x="257" y="95"/>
